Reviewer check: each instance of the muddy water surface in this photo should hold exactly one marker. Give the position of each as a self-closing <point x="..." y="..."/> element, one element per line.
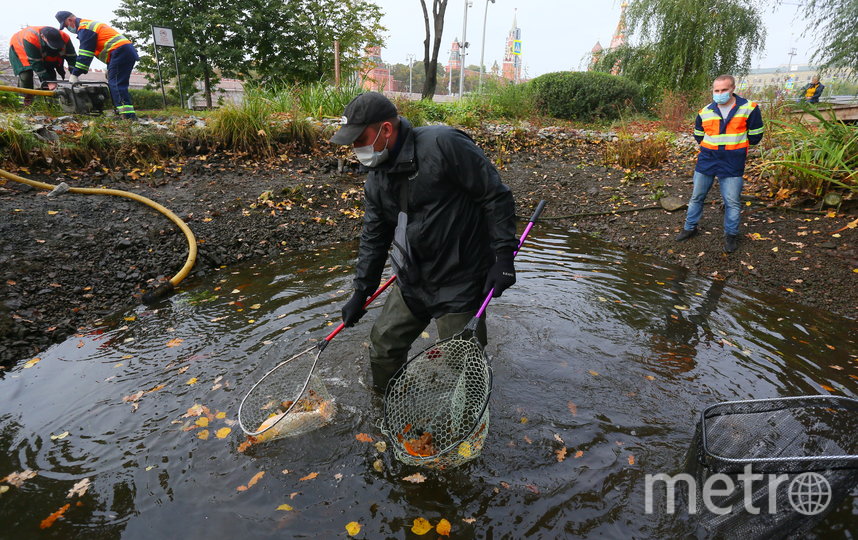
<point x="602" y="362"/>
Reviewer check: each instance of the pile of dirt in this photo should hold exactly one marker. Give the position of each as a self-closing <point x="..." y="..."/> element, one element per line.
<point x="68" y="261"/>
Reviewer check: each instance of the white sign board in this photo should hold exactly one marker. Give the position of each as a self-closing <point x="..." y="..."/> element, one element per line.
<point x="163" y="36"/>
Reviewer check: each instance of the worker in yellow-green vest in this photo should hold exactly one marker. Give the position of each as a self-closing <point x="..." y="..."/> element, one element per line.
<point x="103" y="42"/>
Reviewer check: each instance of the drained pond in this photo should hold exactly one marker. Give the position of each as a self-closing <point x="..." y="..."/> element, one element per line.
<point x="602" y="360"/>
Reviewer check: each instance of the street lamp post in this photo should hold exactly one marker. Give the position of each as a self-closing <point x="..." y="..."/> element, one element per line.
<point x="463" y="50"/>
<point x="483" y="46"/>
<point x="410" y="68"/>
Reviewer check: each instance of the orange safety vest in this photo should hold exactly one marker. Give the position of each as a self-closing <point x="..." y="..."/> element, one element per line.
<point x="735" y="134"/>
<point x="108" y="39"/>
<point x="29" y="35"/>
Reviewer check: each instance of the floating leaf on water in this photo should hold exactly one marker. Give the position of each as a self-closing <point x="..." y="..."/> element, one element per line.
<point x="353" y="528"/>
<point x="827" y="388"/>
<point x="256" y="306"/>
<point x="175" y="342"/>
<point x="649" y="377"/>
<point x="202" y="421"/>
<point x="469" y="520"/>
<point x="378" y="465"/>
<point x="253" y="481"/>
<point x="443" y="528"/>
<point x="62" y="435"/>
<point x="192" y="380"/>
<point x="18" y="478"/>
<point x="579" y="453"/>
<point x="602" y="299"/>
<point x="424" y="335"/>
<point x="631" y="459"/>
<point x="220" y="415"/>
<point x="572" y="408"/>
<point x="285" y="507"/>
<point x="203" y="434"/>
<point x="31" y="363"/>
<point x="381" y="446"/>
<point x="79" y="488"/>
<point x="415" y="478"/>
<point x="196" y="410"/>
<point x="223" y="432"/>
<point x="680" y="307"/>
<point x="558" y="438"/>
<point x="561" y="454"/>
<point x="523" y="419"/>
<point x="363" y="437"/>
<point x="310" y="476"/>
<point x="150" y="467"/>
<point x="421" y="526"/>
<point x="4" y="489"/>
<point x="593" y="373"/>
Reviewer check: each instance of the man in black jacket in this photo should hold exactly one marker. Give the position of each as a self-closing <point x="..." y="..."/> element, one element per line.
<point x="433" y="195"/>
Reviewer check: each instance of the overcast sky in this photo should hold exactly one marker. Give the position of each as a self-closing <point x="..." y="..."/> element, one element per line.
<point x="557" y="35"/>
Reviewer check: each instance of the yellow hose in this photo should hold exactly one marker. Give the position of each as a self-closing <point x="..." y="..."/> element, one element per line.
<point x="27" y="91"/>
<point x="163" y="290"/>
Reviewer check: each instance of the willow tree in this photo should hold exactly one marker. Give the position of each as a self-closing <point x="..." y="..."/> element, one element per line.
<point x="682" y="45"/>
<point x="834" y="24"/>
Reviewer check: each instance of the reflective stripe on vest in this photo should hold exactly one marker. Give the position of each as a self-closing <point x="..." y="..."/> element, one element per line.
<point x="107" y="40"/>
<point x="735" y="134"/>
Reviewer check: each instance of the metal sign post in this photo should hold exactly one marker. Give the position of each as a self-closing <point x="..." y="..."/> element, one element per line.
<point x="164" y="38"/>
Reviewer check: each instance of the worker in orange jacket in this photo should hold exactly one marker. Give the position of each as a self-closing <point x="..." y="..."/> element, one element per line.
<point x="97" y="40"/>
<point x="39" y="50"/>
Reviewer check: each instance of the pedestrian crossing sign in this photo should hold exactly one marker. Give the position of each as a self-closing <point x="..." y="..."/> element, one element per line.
<point x="516" y="47"/>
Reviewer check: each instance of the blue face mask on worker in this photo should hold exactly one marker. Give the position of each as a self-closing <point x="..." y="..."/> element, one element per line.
<point x="721" y="98"/>
<point x="370" y="157"/>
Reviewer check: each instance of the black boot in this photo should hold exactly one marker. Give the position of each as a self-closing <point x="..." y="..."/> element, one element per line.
<point x="731" y="242"/>
<point x="685" y="234"/>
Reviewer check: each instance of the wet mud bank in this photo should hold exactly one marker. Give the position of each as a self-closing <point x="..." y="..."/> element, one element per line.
<point x="67" y="262"/>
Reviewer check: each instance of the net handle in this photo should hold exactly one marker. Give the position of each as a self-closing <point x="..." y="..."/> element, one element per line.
<point x="530" y="223"/>
<point x="338" y="329"/>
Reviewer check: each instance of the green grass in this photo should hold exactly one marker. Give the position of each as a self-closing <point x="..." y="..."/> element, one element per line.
<point x="17" y="140"/>
<point x="813" y="157"/>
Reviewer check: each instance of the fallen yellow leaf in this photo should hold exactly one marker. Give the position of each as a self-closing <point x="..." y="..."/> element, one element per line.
<point x="192" y="380"/>
<point x="202" y="421"/>
<point x="310" y="476"/>
<point x="285" y="507"/>
<point x="353" y="528"/>
<point x="593" y="373"/>
<point x="649" y="378"/>
<point x="443" y="528"/>
<point x="175" y="342"/>
<point x="34" y="361"/>
<point x="421" y="526"/>
<point x="203" y="434"/>
<point x="62" y="435"/>
<point x="222" y="432"/>
<point x="220" y="415"/>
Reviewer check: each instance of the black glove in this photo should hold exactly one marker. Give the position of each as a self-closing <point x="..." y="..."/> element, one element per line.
<point x="353" y="310"/>
<point x="502" y="275"/>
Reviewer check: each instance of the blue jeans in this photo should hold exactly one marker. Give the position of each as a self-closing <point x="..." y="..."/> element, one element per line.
<point x="731" y="189"/>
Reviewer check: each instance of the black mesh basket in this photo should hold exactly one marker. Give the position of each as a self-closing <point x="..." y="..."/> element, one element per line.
<point x="791" y="434"/>
<point x="796" y="439"/>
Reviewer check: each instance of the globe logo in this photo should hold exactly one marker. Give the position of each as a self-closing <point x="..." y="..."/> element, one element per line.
<point x="809" y="493"/>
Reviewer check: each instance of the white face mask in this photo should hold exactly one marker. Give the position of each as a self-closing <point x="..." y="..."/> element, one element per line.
<point x="368" y="156"/>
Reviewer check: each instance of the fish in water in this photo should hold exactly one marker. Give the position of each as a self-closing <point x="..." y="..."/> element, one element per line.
<point x="294" y="423"/>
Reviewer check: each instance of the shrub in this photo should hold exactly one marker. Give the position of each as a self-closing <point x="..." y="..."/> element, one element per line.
<point x="649" y="150"/>
<point x="813" y="157"/>
<point x="585" y="95"/>
<point x="151" y="99"/>
<point x="504" y="100"/>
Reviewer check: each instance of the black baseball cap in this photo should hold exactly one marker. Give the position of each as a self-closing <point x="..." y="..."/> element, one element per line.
<point x="367" y="108"/>
<point x="52" y="38"/>
<point x="62" y="16"/>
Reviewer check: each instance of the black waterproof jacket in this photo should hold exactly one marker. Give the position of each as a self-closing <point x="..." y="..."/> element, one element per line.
<point x="460" y="214"/>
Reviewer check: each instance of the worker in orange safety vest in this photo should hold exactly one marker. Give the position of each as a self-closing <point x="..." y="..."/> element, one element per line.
<point x="98" y="40"/>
